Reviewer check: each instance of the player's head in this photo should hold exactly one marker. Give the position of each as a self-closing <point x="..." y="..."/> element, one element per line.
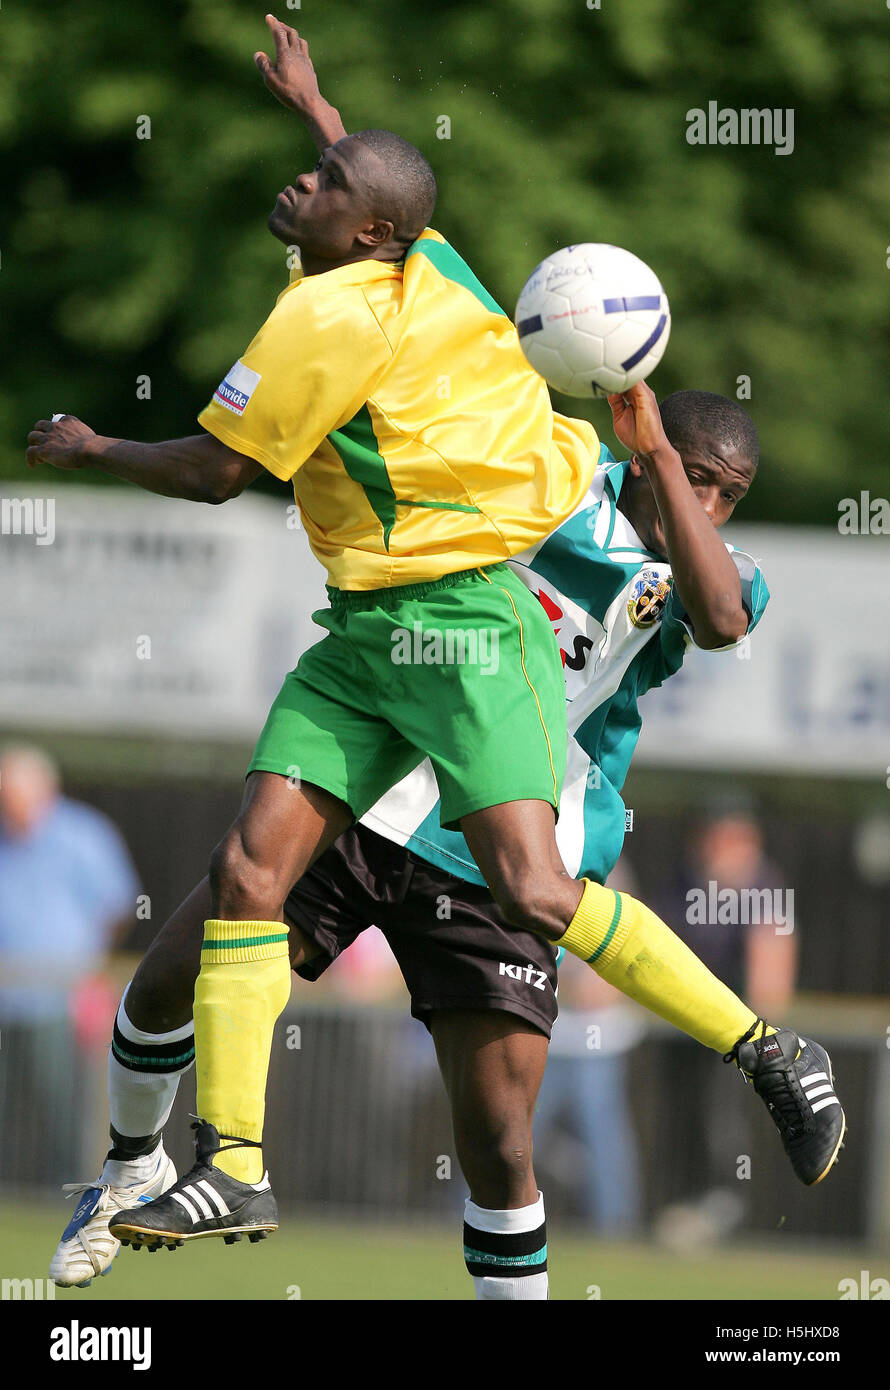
<point x="369" y="196"/>
<point x="717" y="441"/>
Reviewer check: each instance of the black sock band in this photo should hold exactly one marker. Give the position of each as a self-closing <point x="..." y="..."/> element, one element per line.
<point x="127" y="1147"/>
<point x="153" y="1058"/>
<point x="512" y="1256"/>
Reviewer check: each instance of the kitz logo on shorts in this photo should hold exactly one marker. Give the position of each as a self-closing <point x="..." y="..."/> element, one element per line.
<point x="236" y="388"/>
<point x="524" y="972"/>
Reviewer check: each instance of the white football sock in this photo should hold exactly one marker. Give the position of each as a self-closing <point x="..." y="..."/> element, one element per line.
<point x="143" y="1078"/>
<point x="132" y="1172"/>
<point x="497" y="1243"/>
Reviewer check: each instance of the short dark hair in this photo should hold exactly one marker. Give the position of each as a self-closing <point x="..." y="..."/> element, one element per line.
<point x="687" y="416"/>
<point x="408" y="192"/>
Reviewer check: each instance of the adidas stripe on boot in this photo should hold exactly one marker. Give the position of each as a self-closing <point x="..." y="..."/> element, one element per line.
<point x="206" y="1202"/>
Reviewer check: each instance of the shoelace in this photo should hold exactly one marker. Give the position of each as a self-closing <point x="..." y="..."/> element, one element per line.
<point x="784" y="1095"/>
<point x="72" y="1187"/>
<point x="733" y="1054"/>
<point x="781" y="1090"/>
<point x="204" y="1157"/>
<point x="86" y="1250"/>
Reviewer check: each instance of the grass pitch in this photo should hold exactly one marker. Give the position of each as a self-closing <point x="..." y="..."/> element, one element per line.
<point x="331" y="1261"/>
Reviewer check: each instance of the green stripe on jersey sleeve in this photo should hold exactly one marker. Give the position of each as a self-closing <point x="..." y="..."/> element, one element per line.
<point x="454" y="268"/>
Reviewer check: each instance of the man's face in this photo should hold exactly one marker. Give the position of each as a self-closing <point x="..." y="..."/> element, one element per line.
<point x="720" y="477"/>
<point x="325" y="212"/>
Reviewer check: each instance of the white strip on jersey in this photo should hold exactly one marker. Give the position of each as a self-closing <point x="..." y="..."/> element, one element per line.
<point x="405" y="806"/>
<point x="570" y="826"/>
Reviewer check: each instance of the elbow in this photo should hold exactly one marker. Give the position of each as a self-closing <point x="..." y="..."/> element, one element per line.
<point x="230" y="475"/>
<point x="723" y="633"/>
<point x="221" y="487"/>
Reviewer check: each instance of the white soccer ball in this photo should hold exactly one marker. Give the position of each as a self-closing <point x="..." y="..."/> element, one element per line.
<point x="593" y="319"/>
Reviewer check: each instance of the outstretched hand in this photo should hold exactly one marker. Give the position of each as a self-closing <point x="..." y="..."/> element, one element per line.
<point x="637" y="421"/>
<point x="291" y="78"/>
<point x="58" y="442"/>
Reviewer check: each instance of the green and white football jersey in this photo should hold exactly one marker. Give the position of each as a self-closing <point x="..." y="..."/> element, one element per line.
<point x="622" y="631"/>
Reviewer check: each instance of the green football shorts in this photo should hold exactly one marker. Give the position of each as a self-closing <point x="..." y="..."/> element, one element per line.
<point x="464" y="670"/>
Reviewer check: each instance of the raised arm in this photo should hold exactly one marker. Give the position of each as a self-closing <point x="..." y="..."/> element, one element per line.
<point x="292" y="79"/>
<point x="199" y="468"/>
<point x="705" y="576"/>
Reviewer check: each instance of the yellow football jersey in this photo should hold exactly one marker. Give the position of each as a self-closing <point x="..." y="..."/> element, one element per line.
<point x="398" y="400"/>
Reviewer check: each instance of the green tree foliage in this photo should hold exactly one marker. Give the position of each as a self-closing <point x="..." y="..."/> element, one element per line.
<point x="125" y="257"/>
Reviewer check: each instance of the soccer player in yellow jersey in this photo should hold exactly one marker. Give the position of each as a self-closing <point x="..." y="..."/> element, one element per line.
<point x="424" y="453"/>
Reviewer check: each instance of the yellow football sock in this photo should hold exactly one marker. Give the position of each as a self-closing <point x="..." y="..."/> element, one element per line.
<point x="243" y="986"/>
<point x="631" y="948"/>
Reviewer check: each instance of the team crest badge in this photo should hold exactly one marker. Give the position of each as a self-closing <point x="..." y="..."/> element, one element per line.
<point x="647" y="598"/>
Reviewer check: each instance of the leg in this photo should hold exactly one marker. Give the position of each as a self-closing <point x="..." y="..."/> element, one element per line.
<point x="152" y="1047"/>
<point x="487" y="992"/>
<point x="162" y="991"/>
<point x="153" y="1042"/>
<point x="632" y="949"/>
<point x="492" y="1063"/>
<point x="280" y="831"/>
<point x="244" y="980"/>
<point x="514" y="845"/>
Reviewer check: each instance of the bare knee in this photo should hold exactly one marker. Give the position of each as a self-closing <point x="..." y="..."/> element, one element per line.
<point x="244" y="889"/>
<point x="497" y="1163"/>
<point x="537" y="901"/>
<point x="160" y="999"/>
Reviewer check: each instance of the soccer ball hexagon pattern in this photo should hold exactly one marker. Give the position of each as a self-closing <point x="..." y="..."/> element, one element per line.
<point x="593" y="319"/>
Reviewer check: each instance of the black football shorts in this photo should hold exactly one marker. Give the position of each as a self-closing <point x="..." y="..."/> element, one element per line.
<point x="452" y="944"/>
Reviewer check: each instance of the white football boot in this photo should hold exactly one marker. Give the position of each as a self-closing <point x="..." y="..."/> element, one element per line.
<point x="87" y="1247"/>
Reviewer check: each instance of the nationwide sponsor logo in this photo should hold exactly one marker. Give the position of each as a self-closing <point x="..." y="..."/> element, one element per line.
<point x="524" y="972"/>
<point x="227" y="395"/>
<point x="647" y="598"/>
<point x="235" y="390"/>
